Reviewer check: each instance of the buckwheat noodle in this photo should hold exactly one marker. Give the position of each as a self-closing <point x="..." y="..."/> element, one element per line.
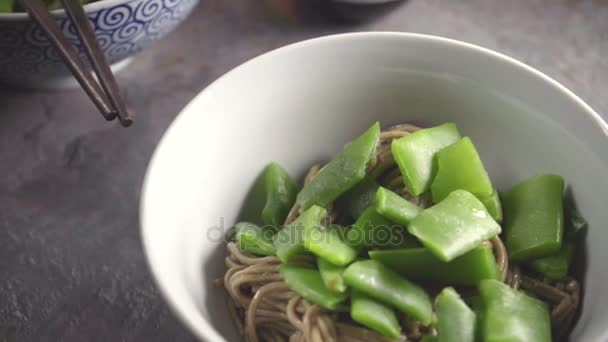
<point x="265" y="309"/>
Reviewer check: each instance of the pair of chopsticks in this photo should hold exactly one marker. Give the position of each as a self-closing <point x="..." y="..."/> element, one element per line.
<point x="105" y="95"/>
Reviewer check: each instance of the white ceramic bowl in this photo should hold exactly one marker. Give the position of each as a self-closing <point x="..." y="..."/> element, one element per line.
<point x="301" y="103"/>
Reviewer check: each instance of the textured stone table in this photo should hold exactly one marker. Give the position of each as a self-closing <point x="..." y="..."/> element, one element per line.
<point x="71" y="263"/>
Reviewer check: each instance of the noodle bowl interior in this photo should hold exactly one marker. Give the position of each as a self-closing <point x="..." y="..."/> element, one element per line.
<point x="402" y="237"/>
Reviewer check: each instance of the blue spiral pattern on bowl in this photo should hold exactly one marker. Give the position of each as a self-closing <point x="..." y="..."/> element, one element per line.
<point x="122" y="30"/>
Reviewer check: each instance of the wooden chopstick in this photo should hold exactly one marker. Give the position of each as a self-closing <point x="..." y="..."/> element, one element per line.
<point x="40" y="14"/>
<point x="108" y="100"/>
<point x="102" y="69"/>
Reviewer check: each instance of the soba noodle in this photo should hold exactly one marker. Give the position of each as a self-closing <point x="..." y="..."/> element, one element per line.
<point x="265" y="309"/>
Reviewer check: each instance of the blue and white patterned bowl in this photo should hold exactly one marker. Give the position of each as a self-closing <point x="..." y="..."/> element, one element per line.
<point x="122" y="27"/>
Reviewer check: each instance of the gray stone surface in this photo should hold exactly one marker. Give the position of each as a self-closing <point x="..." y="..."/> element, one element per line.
<point x="71" y="263"/>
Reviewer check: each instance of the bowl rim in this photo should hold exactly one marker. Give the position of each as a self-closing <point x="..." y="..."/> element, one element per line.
<point x="59" y="13"/>
<point x="206" y="331"/>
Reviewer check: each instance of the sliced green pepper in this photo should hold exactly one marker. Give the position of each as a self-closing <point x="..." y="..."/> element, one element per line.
<point x="374" y="315"/>
<point x="421" y="264"/>
<point x="281" y="192"/>
<point x="327" y="243"/>
<point x="401" y="240"/>
<point x="342" y="173"/>
<point x="414" y="154"/>
<point x="510" y="315"/>
<point x="332" y="275"/>
<point x="381" y="283"/>
<point x="372" y="230"/>
<point x="289" y="241"/>
<point x="361" y="234"/>
<point x="455" y="320"/>
<point x="7" y="6"/>
<point x="454" y="226"/>
<point x="254" y="239"/>
<point x="459" y="167"/>
<point x="395" y="207"/>
<point x="308" y="283"/>
<point x="555" y="266"/>
<point x="492" y="204"/>
<point x="359" y="197"/>
<point x="534" y="218"/>
<point x="339" y="230"/>
<point x="478" y="308"/>
<point x="254" y="202"/>
<point x="429" y="338"/>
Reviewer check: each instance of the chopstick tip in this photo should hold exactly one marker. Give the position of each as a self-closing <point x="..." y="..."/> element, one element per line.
<point x="110" y="115"/>
<point x="125" y="122"/>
